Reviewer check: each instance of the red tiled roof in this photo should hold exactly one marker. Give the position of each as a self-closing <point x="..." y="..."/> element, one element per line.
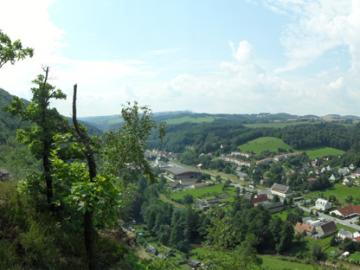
<point x="357" y="239"/>
<point x="300" y="228"/>
<point x="349" y="210"/>
<point x="259" y="198"/>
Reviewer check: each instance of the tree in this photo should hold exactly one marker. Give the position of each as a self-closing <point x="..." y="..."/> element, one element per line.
<point x="46" y="123"/>
<point x="286" y="237"/>
<point x="12" y="51"/>
<point x="317" y="253"/>
<point x="89" y="154"/>
<point x="124" y="150"/>
<point x="246" y="254"/>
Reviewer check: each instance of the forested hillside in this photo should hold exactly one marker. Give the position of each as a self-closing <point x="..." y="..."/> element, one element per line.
<point x="8" y="123"/>
<point x="208" y="137"/>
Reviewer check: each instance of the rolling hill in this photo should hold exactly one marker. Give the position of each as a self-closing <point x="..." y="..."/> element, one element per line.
<point x="262" y="144"/>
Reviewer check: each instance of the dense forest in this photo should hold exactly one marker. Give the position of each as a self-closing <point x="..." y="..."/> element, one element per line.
<point x="208" y="137"/>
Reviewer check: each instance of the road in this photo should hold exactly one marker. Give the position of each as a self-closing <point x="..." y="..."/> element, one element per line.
<point x="345" y="222"/>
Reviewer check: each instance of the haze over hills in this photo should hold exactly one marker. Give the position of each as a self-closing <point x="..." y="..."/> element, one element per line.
<point x="111" y="122"/>
<point x="9" y="124"/>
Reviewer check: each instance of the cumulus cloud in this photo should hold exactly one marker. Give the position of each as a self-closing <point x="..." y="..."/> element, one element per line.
<point x="237" y="85"/>
<point x="97" y="79"/>
<point x="243" y="52"/>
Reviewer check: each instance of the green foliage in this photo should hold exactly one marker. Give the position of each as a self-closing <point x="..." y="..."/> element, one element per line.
<point x="124" y="150"/>
<point x="12" y="51"/>
<point x="102" y="196"/>
<point x="228" y="229"/>
<point x="39" y="248"/>
<point x="323" y="152"/>
<point x="264" y="144"/>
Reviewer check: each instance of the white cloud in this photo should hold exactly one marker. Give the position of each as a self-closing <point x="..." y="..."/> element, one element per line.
<point x="337" y="84"/>
<point x="239" y="85"/>
<point x="98" y="80"/>
<point x="243" y="52"/>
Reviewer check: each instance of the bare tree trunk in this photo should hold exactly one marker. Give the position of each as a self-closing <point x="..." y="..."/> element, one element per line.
<point x="46" y="150"/>
<point x="88" y="216"/>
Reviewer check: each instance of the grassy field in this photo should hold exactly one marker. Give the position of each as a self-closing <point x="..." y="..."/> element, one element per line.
<point x="278" y="263"/>
<point x="355" y="257"/>
<point x="203" y="192"/>
<point x="269" y="262"/>
<point x="323" y="152"/>
<point x="189" y="119"/>
<point x="262" y="144"/>
<point x="278" y="124"/>
<point x="339" y="191"/>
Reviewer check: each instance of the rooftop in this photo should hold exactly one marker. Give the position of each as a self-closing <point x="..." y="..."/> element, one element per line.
<point x="280" y="188"/>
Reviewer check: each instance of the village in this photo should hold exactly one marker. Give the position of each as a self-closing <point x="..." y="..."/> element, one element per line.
<point x="323" y="216"/>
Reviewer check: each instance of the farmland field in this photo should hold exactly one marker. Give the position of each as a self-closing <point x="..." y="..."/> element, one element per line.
<point x="262" y="144"/>
<point x="279" y="124"/>
<point x="277" y="263"/>
<point x="268" y="261"/>
<point x="339" y="191"/>
<point x="323" y="152"/>
<point x="202" y="192"/>
<point x="189" y="119"/>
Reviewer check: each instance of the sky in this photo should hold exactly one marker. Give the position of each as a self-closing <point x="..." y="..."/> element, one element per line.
<point x="214" y="56"/>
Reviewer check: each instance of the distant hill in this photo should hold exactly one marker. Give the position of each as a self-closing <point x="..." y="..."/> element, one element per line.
<point x="111" y="122"/>
<point x="9" y="123"/>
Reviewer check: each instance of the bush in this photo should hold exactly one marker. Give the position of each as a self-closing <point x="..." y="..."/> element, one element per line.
<point x="39" y="249"/>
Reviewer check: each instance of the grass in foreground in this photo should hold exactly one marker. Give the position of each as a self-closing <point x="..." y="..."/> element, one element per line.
<point x="263" y="144"/>
<point x="270" y="262"/>
<point x="280" y="263"/>
<point x="323" y="152"/>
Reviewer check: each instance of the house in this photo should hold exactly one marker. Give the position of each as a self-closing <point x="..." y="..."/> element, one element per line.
<point x="304" y="229"/>
<point x="347" y="212"/>
<point x="325" y="228"/>
<point x="4" y="175"/>
<point x="312" y="222"/>
<point x="342" y="234"/>
<point x="322" y="204"/>
<point x="182" y="174"/>
<point x="194" y="264"/>
<point x="282" y="191"/>
<point x="242" y="175"/>
<point x="344" y="171"/>
<point x="347" y="182"/>
<point x="258" y="199"/>
<point x="332" y="178"/>
<point x="355" y="174"/>
<point x="273" y="207"/>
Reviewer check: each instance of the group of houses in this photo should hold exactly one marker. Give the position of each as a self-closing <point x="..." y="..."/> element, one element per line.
<point x="346" y="212"/>
<point x="348" y="174"/>
<point x="317" y="228"/>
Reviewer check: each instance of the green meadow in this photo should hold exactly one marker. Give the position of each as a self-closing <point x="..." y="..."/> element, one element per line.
<point x="263" y="144"/>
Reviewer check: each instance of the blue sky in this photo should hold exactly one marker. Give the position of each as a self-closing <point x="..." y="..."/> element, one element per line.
<point x="231" y="56"/>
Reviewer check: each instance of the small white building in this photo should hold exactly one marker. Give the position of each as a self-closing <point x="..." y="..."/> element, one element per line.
<point x="342" y="234"/>
<point x="332" y="178"/>
<point x="282" y="191"/>
<point x="344" y="171"/>
<point x="347" y="182"/>
<point x="322" y="204"/>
